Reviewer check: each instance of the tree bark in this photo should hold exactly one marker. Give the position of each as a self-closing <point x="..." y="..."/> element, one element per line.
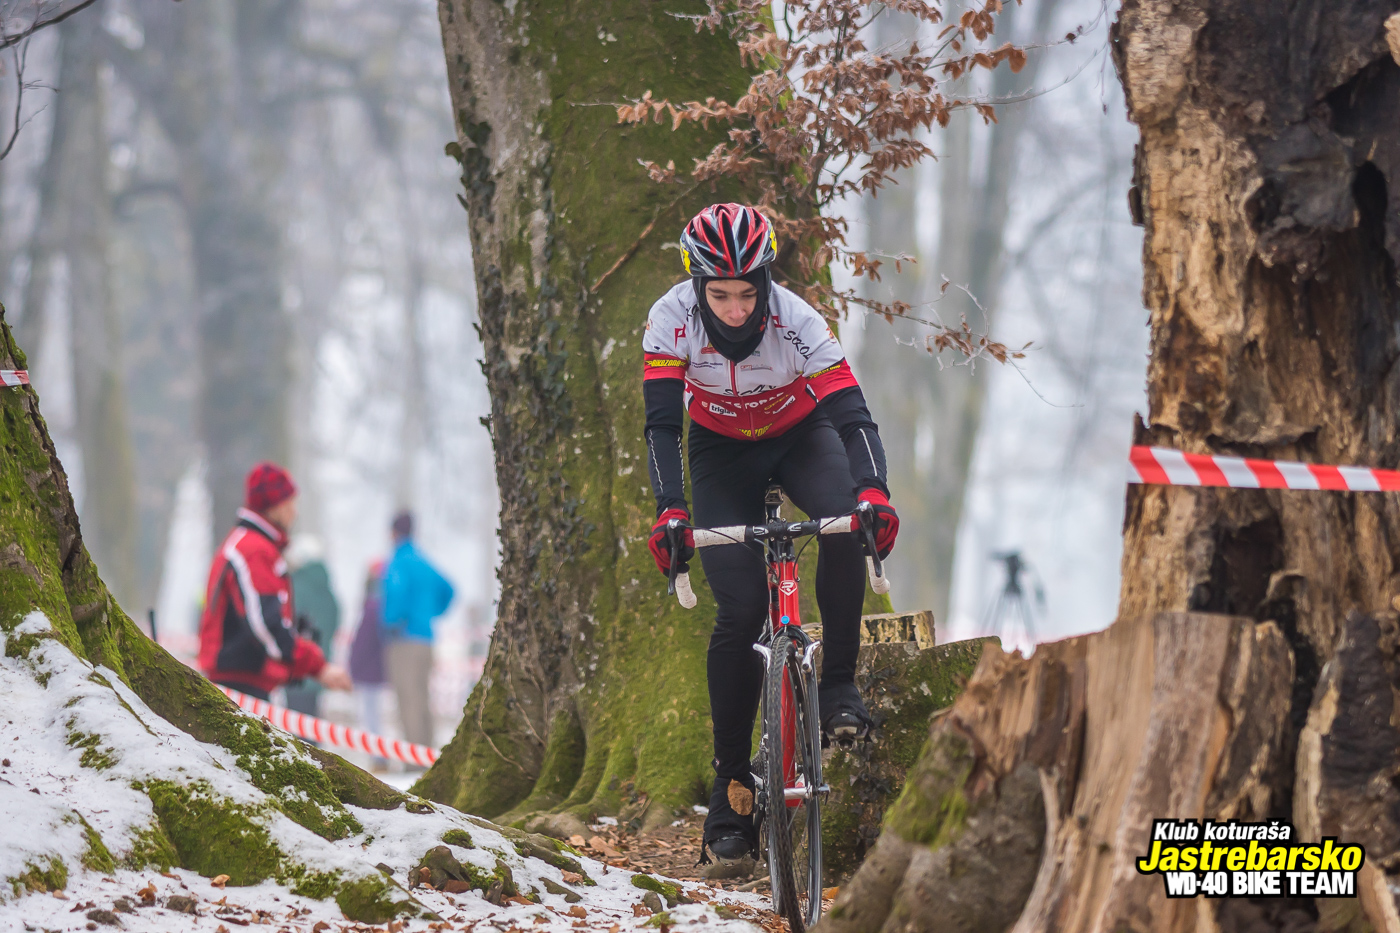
<point x="593" y="696"/>
<point x="1266" y="178"/>
<point x="1175" y="715"/>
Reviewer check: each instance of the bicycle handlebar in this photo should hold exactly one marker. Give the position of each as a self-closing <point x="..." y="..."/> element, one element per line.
<point x="743" y="534"/>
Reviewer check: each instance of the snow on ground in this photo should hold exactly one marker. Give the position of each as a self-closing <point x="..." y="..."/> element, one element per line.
<point x="73" y="740"/>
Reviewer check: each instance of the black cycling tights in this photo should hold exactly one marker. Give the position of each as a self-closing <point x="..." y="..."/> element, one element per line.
<point x="729" y="478"/>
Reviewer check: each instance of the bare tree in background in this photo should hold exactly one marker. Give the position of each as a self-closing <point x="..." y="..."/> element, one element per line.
<point x="929" y="414"/>
<point x="71" y="248"/>
<point x="20" y="21"/>
<point x="213" y="76"/>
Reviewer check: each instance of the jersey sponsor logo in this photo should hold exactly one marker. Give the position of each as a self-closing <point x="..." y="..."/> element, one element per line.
<point x="749" y="367"/>
<point x="680" y="334"/>
<point x="785" y="402"/>
<point x="716" y="409"/>
<point x="829" y="369"/>
<point x="708" y="349"/>
<point x="803" y="350"/>
<point x="756" y="432"/>
<point x="665" y="362"/>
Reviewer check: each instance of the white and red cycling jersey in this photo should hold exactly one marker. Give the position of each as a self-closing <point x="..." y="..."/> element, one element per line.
<point x="797" y="364"/>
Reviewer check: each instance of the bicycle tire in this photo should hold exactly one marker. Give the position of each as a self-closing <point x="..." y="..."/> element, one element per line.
<point x="793" y="834"/>
<point x="807" y="846"/>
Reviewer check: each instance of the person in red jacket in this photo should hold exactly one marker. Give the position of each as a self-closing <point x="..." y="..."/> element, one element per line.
<point x="247" y="635"/>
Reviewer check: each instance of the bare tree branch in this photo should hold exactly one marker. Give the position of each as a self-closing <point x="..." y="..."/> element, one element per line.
<point x="40" y="22"/>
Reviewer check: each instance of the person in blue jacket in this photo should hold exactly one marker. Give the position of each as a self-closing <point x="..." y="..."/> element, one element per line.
<point x="415" y="594"/>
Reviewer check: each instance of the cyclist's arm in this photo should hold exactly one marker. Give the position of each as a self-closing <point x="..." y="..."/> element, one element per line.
<point x="834" y="386"/>
<point x="663" y="392"/>
<point x="665" y="418"/>
<point x="847" y="409"/>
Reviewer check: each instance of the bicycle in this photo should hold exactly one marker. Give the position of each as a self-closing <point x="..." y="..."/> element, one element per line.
<point x="789" y="749"/>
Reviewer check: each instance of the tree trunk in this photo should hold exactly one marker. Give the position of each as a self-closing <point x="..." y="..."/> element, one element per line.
<point x="930" y="416"/>
<point x="109" y="482"/>
<point x="1152" y="718"/>
<point x="226" y="115"/>
<point x="74" y="229"/>
<point x="903" y="682"/>
<point x="593" y="696"/>
<point x="1264" y="173"/>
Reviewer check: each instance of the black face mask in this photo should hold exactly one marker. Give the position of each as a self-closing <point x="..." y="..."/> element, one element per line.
<point x="736" y="343"/>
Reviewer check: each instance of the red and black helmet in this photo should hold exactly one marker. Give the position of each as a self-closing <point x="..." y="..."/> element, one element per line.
<point x="727" y="241"/>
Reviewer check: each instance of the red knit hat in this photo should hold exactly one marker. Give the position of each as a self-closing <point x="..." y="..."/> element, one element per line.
<point x="267" y="485"/>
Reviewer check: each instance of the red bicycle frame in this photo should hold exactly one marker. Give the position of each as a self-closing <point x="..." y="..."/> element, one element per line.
<point x="783" y="610"/>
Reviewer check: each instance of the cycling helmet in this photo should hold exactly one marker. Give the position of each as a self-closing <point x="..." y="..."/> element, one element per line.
<point x="727" y="241"/>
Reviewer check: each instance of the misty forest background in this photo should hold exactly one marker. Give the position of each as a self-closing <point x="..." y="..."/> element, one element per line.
<point x="280" y="165"/>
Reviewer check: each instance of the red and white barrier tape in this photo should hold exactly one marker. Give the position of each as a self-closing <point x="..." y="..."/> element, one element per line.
<point x="1166" y="467"/>
<point x="329" y="733"/>
<point x="14" y="377"/>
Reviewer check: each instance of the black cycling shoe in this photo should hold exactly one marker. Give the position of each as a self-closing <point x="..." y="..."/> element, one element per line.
<point x="730" y="834"/>
<point x="843" y="713"/>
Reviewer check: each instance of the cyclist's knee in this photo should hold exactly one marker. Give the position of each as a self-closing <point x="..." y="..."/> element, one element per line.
<point x="737" y="630"/>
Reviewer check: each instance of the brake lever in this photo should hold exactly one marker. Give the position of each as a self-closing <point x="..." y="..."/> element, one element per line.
<point x="672" y="528"/>
<point x="867" y="527"/>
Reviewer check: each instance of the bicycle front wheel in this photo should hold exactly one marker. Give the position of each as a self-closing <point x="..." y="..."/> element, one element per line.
<point x="792" y="778"/>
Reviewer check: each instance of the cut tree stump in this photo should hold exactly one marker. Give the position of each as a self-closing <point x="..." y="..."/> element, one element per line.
<point x="904" y="679"/>
<point x="1183" y="715"/>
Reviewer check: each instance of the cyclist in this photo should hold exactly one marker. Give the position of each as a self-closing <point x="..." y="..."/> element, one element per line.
<point x="771" y="399"/>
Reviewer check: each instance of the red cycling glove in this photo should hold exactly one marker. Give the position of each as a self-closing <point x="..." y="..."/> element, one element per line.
<point x="660" y="543"/>
<point x="886" y="521"/>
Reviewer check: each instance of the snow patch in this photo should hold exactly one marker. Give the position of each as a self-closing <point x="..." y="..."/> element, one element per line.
<point x="76" y="742"/>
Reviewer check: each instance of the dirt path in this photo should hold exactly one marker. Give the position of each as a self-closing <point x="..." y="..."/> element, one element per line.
<point x="674" y="851"/>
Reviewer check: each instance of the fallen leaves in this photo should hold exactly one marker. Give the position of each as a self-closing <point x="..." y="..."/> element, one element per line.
<point x="572" y="877"/>
<point x="219" y="881"/>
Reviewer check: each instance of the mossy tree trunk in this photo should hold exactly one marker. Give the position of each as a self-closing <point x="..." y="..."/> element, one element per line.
<point x="1266" y="177"/>
<point x="593" y="696"/>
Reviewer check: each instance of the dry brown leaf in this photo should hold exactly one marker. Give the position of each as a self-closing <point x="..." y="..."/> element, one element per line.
<point x="572" y="877"/>
<point x="219" y="881"/>
<point x="577" y="911"/>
